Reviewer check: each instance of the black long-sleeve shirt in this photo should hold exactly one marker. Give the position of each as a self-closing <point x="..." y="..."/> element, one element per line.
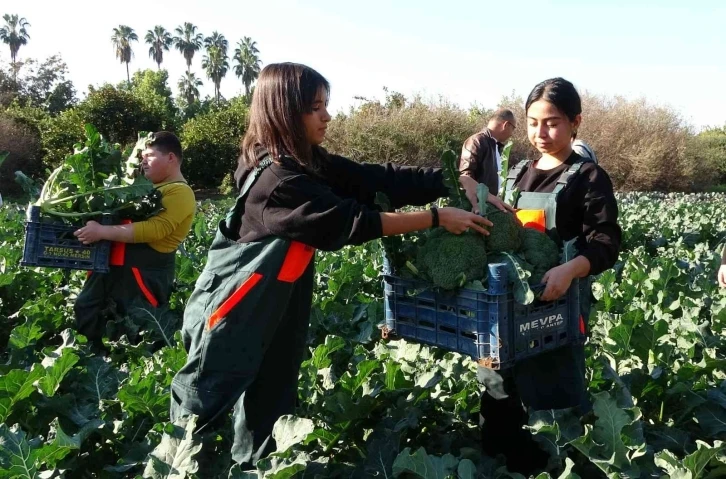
<point x="334" y="206"/>
<point x="586" y="209"/>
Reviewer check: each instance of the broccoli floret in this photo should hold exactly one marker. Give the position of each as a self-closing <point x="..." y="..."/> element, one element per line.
<point x="504" y="234"/>
<point x="451" y="260"/>
<point x="539" y="250"/>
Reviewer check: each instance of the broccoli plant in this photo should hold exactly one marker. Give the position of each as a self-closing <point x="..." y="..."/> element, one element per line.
<point x="504" y="232"/>
<point x="449" y="261"/>
<point x="452" y="260"/>
<point x="539" y="250"/>
<point x="94" y="181"/>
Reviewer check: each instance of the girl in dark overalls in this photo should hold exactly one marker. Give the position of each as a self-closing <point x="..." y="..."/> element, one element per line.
<point x="245" y="325"/>
<point x="577" y="199"/>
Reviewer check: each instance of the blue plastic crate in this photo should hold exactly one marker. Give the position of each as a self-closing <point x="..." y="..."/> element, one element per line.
<point x="51" y="244"/>
<point x="490" y="326"/>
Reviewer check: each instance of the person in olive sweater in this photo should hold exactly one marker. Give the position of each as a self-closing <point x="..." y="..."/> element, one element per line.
<point x="142" y="265"/>
<point x="576" y="200"/>
<point x="245" y="325"/>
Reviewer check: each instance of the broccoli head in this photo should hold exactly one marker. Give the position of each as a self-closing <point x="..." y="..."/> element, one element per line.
<point x="539" y="250"/>
<point x="504" y="234"/>
<point x="451" y="260"/>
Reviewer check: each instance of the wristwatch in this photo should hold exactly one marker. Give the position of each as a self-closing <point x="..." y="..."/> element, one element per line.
<point x="434" y="217"/>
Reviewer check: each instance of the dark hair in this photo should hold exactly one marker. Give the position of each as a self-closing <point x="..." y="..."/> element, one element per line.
<point x="561" y="93"/>
<point x="284" y="92"/>
<point x="167" y="142"/>
<point x="502" y="115"/>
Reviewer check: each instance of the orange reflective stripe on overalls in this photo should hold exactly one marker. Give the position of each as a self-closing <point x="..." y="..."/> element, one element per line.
<point x="536" y="219"/>
<point x="233" y="300"/>
<point x="144" y="289"/>
<point x="151" y="270"/>
<point x="296" y="261"/>
<point x="118" y="250"/>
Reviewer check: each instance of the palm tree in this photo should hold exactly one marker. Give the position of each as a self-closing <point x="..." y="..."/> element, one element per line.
<point x="217" y="40"/>
<point x="160" y="40"/>
<point x="15" y="35"/>
<point x="121" y="39"/>
<point x="248" y="62"/>
<point x="188" y="41"/>
<point x="189" y="87"/>
<point x="216" y="65"/>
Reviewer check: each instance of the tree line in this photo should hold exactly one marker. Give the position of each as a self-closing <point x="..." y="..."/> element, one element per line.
<point x="186" y="39"/>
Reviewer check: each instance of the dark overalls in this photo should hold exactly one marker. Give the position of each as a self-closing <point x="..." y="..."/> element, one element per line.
<point x="551" y="380"/>
<point x="139" y="276"/>
<point x="245" y="330"/>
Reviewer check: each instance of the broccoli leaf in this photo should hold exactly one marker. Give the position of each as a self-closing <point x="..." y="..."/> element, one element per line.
<point x="457" y="195"/>
<point x="505" y="166"/>
<point x="518" y="275"/>
<point x="133" y="162"/>
<point x="482" y="192"/>
<point x="175" y="454"/>
<point x="94" y="180"/>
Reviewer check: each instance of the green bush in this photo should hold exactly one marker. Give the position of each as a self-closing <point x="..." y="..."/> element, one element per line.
<point x="211" y="143"/>
<point x="57" y="133"/>
<point x="709" y="148"/>
<point x="401" y="131"/>
<point x="22" y="144"/>
<point x="642" y="146"/>
<point x="228" y="186"/>
<point x="119" y="114"/>
<point x="30" y="116"/>
<point x="150" y="87"/>
<point x="60" y="133"/>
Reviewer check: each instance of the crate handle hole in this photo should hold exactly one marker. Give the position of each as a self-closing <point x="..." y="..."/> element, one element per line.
<point x="548" y="339"/>
<point x="404" y="319"/>
<point x="468" y="335"/>
<point x="467" y="313"/>
<point x="447" y="329"/>
<point x="563" y="335"/>
<point x="447" y="308"/>
<point x="426" y="324"/>
<point x="533" y="344"/>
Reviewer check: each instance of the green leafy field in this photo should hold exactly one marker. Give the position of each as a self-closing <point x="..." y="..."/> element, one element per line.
<point x="374" y="408"/>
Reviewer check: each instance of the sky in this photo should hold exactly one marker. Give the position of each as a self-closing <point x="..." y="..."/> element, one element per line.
<point x="673" y="53"/>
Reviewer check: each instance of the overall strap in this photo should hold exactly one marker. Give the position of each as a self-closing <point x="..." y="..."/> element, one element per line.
<point x="233" y="220"/>
<point x="252" y="177"/>
<point x="567" y="176"/>
<point x="515" y="173"/>
<point x="513" y="177"/>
